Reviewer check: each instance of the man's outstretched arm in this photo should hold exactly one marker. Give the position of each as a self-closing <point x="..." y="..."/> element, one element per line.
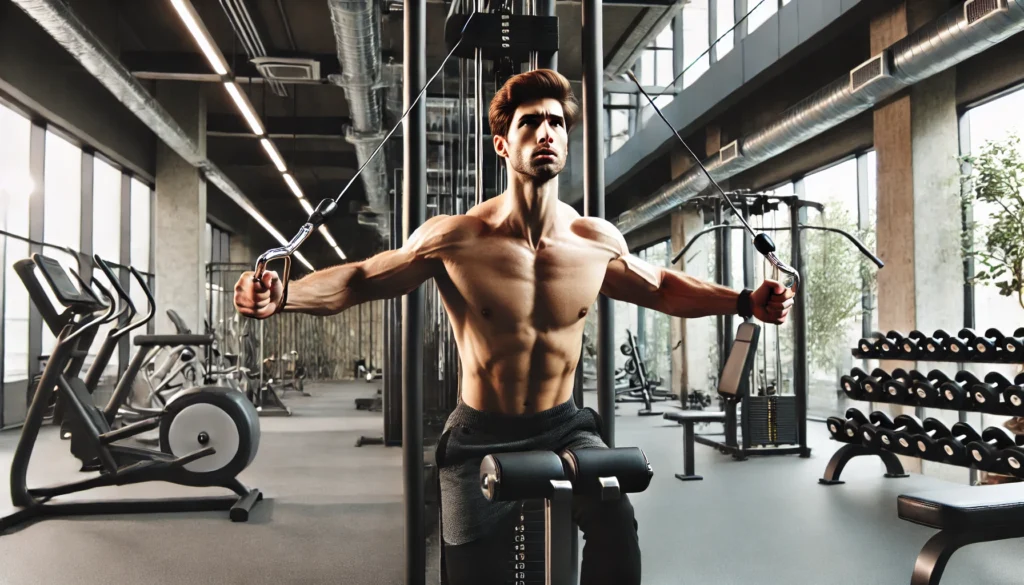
<point x="330" y="291"/>
<point x="675" y="293"/>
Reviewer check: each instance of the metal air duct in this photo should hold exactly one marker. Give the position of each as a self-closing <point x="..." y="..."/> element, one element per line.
<point x="357" y="37"/>
<point x="960" y="33"/>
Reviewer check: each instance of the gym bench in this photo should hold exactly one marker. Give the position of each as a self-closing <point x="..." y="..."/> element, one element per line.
<point x="688" y="418"/>
<point x="963" y="515"/>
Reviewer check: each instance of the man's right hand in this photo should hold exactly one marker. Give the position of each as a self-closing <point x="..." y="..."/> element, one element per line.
<point x="258" y="299"/>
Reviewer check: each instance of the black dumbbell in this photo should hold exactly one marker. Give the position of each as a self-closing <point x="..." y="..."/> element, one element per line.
<point x="1013" y="460"/>
<point x="987" y="348"/>
<point x="898" y="438"/>
<point x="927" y="390"/>
<point x="869" y="433"/>
<point x="911" y="345"/>
<point x="954" y="447"/>
<point x="955" y="394"/>
<point x="959" y="347"/>
<point x="1013" y="346"/>
<point x="871" y="387"/>
<point x="986" y="395"/>
<point x="891" y="345"/>
<point x="899" y="388"/>
<point x="985" y="453"/>
<point x="867" y="346"/>
<point x="1013" y="396"/>
<point x="927" y="444"/>
<point x="851" y="383"/>
<point x="932" y="347"/>
<point x="850" y="429"/>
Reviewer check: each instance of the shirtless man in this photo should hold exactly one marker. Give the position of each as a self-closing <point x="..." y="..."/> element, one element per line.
<point x="517" y="275"/>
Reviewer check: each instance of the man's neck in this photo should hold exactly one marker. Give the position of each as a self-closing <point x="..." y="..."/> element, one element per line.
<point x="531" y="206"/>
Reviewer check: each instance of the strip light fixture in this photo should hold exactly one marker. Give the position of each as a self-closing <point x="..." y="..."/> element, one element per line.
<point x="189" y="17"/>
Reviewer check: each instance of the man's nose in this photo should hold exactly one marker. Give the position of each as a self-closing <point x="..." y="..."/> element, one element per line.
<point x="545" y="134"/>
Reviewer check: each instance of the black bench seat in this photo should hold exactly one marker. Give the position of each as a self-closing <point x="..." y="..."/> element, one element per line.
<point x="688" y="418"/>
<point x="964" y="515"/>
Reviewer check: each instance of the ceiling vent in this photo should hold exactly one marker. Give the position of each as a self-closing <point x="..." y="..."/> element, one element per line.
<point x="288" y="70"/>
<point x="872" y="70"/>
<point x="729" y="152"/>
<point x="977" y="10"/>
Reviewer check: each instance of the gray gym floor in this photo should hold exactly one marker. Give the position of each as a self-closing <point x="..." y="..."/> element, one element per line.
<point x="333" y="514"/>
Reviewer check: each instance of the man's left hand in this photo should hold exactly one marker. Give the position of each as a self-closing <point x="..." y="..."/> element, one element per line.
<point x="772" y="302"/>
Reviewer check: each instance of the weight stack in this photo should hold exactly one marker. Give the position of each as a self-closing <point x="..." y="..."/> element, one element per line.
<point x="526" y="566"/>
<point x="772" y="420"/>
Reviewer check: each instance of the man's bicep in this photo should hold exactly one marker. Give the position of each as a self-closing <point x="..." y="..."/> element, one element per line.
<point x="395" y="273"/>
<point x="632" y="280"/>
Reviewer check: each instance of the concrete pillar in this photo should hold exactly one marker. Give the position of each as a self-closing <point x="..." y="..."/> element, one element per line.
<point x="180" y="213"/>
<point x="240" y="252"/>
<point x="918" y="230"/>
<point x="691" y="338"/>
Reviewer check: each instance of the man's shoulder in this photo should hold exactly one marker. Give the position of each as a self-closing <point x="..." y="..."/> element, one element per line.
<point x="600" y="231"/>
<point x="444" y="231"/>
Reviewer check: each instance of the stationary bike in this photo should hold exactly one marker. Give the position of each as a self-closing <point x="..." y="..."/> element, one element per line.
<point x="208" y="435"/>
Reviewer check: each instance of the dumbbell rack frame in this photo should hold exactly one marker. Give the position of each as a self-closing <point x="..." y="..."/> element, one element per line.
<point x="894" y="468"/>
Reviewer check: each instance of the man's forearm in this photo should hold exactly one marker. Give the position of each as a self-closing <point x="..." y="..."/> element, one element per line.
<point x="687" y="297"/>
<point x="324" y="292"/>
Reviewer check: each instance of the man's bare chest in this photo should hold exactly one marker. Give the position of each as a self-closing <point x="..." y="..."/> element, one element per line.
<point x="510" y="282"/>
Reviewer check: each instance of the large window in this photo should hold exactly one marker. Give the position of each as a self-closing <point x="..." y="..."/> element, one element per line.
<point x="62" y="216"/>
<point x="16" y="191"/>
<point x="760" y="12"/>
<point x="695" y="40"/>
<point x="106" y="242"/>
<point x="657" y="68"/>
<point x="991" y="122"/>
<point x="142" y="199"/>
<point x="725" y="19"/>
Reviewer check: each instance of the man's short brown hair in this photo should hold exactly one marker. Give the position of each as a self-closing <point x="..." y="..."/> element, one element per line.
<point x="527" y="87"/>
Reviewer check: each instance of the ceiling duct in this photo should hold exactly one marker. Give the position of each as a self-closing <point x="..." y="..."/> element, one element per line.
<point x="57" y="19"/>
<point x="245" y="29"/>
<point x="288" y="70"/>
<point x="960" y="33"/>
<point x="357" y="37"/>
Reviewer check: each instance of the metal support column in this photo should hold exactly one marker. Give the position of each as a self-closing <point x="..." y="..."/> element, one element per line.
<point x="593" y="197"/>
<point x="798" y="216"/>
<point x="414" y="197"/>
<point x="546" y="61"/>
<point x="478" y="117"/>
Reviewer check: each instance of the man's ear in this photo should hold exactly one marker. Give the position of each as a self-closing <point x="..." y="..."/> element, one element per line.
<point x="500" y="146"/>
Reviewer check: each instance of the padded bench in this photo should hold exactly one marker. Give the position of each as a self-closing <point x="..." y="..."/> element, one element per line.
<point x="963" y="515"/>
<point x="688" y="418"/>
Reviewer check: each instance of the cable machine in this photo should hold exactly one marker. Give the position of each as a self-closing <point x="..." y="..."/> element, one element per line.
<point x="766" y="421"/>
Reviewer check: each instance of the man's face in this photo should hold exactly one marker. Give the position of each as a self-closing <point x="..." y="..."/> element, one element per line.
<point x="537" y="141"/>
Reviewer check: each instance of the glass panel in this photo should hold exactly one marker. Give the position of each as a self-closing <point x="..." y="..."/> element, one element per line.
<point x="726" y="18"/>
<point x="141" y="201"/>
<point x="647" y="68"/>
<point x="695" y="40"/>
<point x="106" y="242"/>
<point x="992" y="122"/>
<point x="664" y="39"/>
<point x="760" y="13"/>
<point x="663" y="65"/>
<point x="16" y="190"/>
<point x="62" y="219"/>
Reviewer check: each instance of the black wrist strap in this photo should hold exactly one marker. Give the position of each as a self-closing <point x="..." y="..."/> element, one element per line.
<point x="744" y="306"/>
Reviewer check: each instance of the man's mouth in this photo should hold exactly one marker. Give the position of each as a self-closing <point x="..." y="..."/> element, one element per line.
<point x="544" y="153"/>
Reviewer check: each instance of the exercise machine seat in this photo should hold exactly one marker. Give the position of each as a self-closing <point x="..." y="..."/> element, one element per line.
<point x="173" y="340"/>
<point x="695" y="416"/>
<point x="965" y="508"/>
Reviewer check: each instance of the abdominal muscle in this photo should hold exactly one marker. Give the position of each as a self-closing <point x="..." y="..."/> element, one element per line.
<point x="519" y="374"/>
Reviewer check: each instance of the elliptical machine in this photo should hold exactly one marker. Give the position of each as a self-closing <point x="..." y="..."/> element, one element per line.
<point x="208" y="435"/>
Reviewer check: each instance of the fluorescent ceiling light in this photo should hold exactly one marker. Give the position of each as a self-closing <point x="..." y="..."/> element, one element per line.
<point x="273" y="154"/>
<point x="327" y="235"/>
<point x="245" y="107"/>
<point x="340" y="253"/>
<point x="293" y="185"/>
<point x="202" y="37"/>
<point x="307" y="206"/>
<point x="304" y="261"/>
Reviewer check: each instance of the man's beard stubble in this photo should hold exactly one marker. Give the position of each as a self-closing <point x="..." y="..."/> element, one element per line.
<point x="541" y="173"/>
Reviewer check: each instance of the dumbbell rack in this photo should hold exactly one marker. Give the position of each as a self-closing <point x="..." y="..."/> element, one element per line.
<point x="936" y="390"/>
